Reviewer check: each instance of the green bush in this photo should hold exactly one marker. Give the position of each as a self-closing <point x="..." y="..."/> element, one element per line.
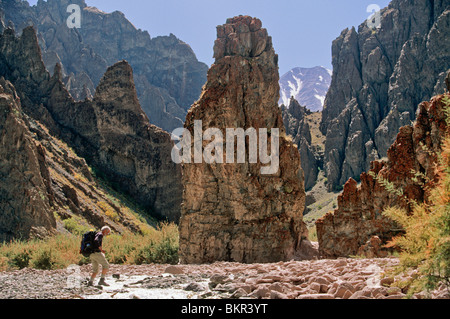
<point x="161" y="248"/>
<point x="4" y="263"/>
<point x="21" y="259"/>
<point x="73" y="226"/>
<point x="43" y="259"/>
<point x="166" y="252"/>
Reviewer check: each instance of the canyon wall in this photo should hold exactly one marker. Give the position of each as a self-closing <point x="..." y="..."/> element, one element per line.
<point x="358" y="226"/>
<point x="111" y="131"/>
<point x="380" y="75"/>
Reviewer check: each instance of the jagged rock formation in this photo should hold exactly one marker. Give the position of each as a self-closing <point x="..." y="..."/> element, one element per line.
<point x="231" y="212"/>
<point x="111" y="131"/>
<point x="168" y="76"/>
<point x="24" y="204"/>
<point x="379" y="78"/>
<point x="411" y="167"/>
<point x="135" y="154"/>
<point x="294" y="119"/>
<point x="308" y="86"/>
<point x="44" y="185"/>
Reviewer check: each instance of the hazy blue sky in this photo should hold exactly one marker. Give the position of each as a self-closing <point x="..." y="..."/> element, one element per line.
<point x="302" y="30"/>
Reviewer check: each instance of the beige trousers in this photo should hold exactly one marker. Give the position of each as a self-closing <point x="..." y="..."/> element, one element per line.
<point x="99" y="259"/>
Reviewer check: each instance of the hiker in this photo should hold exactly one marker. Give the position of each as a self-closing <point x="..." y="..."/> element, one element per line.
<point x="98" y="257"/>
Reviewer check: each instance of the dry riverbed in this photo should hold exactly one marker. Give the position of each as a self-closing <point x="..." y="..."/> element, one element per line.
<point x="319" y="279"/>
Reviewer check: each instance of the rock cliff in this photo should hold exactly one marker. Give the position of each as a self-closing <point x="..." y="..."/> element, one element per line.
<point x="379" y="77"/>
<point x="358" y="226"/>
<point x="296" y="124"/>
<point x="24" y="205"/>
<point x="45" y="187"/>
<point x="111" y="131"/>
<point x="231" y="212"/>
<point x="168" y="76"/>
<point x="131" y="152"/>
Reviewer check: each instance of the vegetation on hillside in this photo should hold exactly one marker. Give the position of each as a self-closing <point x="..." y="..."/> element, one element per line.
<point x="426" y="243"/>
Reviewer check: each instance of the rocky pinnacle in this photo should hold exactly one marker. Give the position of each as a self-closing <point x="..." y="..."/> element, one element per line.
<point x="231" y="212"/>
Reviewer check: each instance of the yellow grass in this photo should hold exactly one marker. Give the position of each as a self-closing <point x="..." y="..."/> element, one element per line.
<point x="158" y="245"/>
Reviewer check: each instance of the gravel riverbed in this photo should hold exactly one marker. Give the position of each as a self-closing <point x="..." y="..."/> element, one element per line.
<point x="318" y="279"/>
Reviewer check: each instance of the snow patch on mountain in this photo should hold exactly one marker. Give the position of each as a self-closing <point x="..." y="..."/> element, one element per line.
<point x="308" y="86"/>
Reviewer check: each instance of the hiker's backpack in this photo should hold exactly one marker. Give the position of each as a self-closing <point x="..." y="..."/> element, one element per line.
<point x="87" y="244"/>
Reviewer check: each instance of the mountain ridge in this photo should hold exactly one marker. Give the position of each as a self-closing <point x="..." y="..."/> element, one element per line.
<point x="168" y="76"/>
<point x="111" y="131"/>
<point x="379" y="77"/>
<point x="307" y="85"/>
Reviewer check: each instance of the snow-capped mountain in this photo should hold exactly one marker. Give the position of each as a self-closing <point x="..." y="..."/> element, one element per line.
<point x="308" y="86"/>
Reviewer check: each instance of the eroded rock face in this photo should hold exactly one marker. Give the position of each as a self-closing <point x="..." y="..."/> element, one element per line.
<point x="294" y="118"/>
<point x="379" y="77"/>
<point x="353" y="228"/>
<point x="134" y="153"/>
<point x="231" y="212"/>
<point x="44" y="185"/>
<point x="24" y="205"/>
<point x="111" y="131"/>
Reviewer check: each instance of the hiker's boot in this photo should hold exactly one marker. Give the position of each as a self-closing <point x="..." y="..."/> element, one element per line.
<point x="103" y="283"/>
<point x="90" y="283"/>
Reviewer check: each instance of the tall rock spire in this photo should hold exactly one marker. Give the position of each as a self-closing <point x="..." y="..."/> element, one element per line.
<point x="232" y="212"/>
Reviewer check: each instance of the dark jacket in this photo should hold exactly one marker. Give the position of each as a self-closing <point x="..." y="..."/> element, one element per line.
<point x="98" y="242"/>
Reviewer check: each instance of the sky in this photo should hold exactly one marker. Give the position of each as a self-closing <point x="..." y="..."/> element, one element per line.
<point x="302" y="30"/>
